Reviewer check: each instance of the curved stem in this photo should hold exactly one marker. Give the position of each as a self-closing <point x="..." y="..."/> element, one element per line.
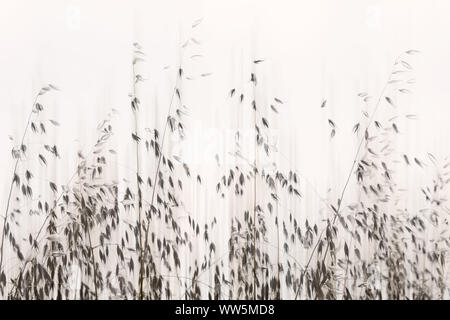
<point x="16" y="165"/>
<point x="341" y="198"/>
<point x="155" y="181"/>
<point x="138" y="189"/>
<point x="254" y="207"/>
<point x="93" y="263"/>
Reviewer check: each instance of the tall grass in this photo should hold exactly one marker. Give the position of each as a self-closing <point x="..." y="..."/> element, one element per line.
<point x="98" y="238"/>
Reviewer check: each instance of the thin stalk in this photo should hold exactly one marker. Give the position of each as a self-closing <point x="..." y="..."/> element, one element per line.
<point x="91" y="248"/>
<point x="155" y="179"/>
<point x="41" y="228"/>
<point x="254" y="194"/>
<point x="278" y="258"/>
<point x="347" y="264"/>
<point x="254" y="225"/>
<point x="93" y="263"/>
<point x="54" y="207"/>
<point x="16" y="165"/>
<point x="341" y="198"/>
<point x="138" y="190"/>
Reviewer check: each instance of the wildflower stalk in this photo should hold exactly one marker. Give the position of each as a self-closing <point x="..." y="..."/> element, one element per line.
<point x="138" y="187"/>
<point x="349" y="175"/>
<point x="93" y="263"/>
<point x="255" y="172"/>
<point x="155" y="179"/>
<point x="52" y="209"/>
<point x="16" y="165"/>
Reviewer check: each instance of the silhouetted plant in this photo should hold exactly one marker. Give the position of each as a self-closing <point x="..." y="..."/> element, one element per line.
<point x="162" y="201"/>
<point x="129" y="240"/>
<point x="21" y="182"/>
<point x="252" y="272"/>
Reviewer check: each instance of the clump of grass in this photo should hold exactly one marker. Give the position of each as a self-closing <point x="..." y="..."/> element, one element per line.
<point x="21" y="182"/>
<point x="381" y="231"/>
<point x="132" y="244"/>
<point x="254" y="273"/>
<point x="164" y="188"/>
<point x="79" y="209"/>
